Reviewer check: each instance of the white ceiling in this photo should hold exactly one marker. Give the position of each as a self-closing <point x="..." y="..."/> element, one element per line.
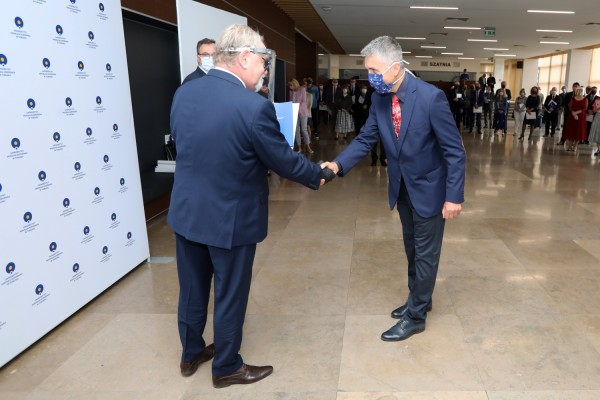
<point x="355" y="22"/>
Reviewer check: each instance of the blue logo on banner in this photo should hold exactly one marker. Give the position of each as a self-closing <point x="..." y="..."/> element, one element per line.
<point x="97" y="191"/>
<point x="98" y="100"/>
<point x="86" y="230"/>
<point x="27" y="217"/>
<point x="101" y="6"/>
<point x="10" y="267"/>
<point x="77" y="166"/>
<point x="113" y="216"/>
<point x="68" y="102"/>
<point x="88" y="131"/>
<point x="4" y="60"/>
<point x="31" y="104"/>
<point x="53" y="246"/>
<point x="19" y="22"/>
<point x="105" y="158"/>
<point x="46" y="63"/>
<point x="59" y="30"/>
<point x="56" y="137"/>
<point x="39" y="289"/>
<point x="91" y="35"/>
<point x="122" y="181"/>
<point x="115" y="127"/>
<point x="80" y="65"/>
<point x="15" y="143"/>
<point x="73" y="1"/>
<point x="42" y="176"/>
<point x="128" y="235"/>
<point x="108" y="67"/>
<point x="0" y="188"/>
<point x="75" y="267"/>
<point x="104" y="250"/>
<point x="66" y="202"/>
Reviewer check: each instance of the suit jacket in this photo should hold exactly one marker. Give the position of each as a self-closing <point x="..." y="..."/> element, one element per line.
<point x="455" y="106"/>
<point x="227" y="138"/>
<point x="549" y="98"/>
<point x="330" y="99"/>
<point x="477" y="99"/>
<point x="429" y="155"/>
<point x="198" y="73"/>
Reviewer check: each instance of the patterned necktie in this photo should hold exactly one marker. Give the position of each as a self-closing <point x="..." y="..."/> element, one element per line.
<point x="396" y="115"/>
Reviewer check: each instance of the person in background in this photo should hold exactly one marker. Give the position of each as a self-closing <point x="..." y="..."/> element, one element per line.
<point x="488" y="100"/>
<point x="500" y="110"/>
<point x="426" y="168"/>
<point x="314" y="110"/>
<point x="595" y="128"/>
<point x="464" y="76"/>
<point x="330" y="97"/>
<point x="491" y="81"/>
<point x="482" y="81"/>
<point x="344" y="123"/>
<point x="531" y="109"/>
<point x="551" y="106"/>
<point x="567" y="111"/>
<point x="561" y="109"/>
<point x="576" y="129"/>
<point x="298" y="95"/>
<point x="506" y="90"/>
<point x="456" y="98"/>
<point x="540" y="111"/>
<point x="204" y="51"/>
<point x="476" y="100"/>
<point x="227" y="138"/>
<point x="520" y="112"/>
<point x="591" y="97"/>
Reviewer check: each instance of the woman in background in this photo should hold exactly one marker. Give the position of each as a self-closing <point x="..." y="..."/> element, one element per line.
<point x="531" y="107"/>
<point x="576" y="129"/>
<point x="520" y="111"/>
<point x="344" y="123"/>
<point x="298" y="95"/>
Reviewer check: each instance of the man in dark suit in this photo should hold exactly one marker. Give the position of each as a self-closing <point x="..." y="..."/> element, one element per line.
<point x="227" y="138"/>
<point x="204" y="51"/>
<point x="551" y="107"/>
<point x="330" y="95"/>
<point x="426" y="170"/>
<point x="476" y="103"/>
<point x="456" y="99"/>
<point x="491" y="81"/>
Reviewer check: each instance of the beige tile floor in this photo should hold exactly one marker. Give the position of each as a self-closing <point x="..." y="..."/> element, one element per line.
<point x="516" y="307"/>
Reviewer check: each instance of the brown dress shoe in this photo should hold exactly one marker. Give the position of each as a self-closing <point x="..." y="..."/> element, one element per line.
<point x="188" y="369"/>
<point x="245" y="375"/>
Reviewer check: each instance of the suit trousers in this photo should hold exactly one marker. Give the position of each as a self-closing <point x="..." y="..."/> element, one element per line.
<point x="423" y="247"/>
<point x="232" y="270"/>
<point x="551" y="121"/>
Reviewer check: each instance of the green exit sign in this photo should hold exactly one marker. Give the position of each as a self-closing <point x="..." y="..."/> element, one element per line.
<point x="489" y="31"/>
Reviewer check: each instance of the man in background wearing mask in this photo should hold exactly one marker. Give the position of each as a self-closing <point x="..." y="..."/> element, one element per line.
<point x="204" y="51"/>
<point x="227" y="137"/>
<point x="426" y="170"/>
<point x="551" y="106"/>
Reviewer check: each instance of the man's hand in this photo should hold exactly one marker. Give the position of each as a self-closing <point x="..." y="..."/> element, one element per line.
<point x="331" y="165"/>
<point x="451" y="210"/>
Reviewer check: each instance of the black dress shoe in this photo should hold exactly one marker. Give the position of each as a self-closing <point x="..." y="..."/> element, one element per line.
<point x="401" y="311"/>
<point x="188" y="369"/>
<point x="402" y="330"/>
<point x="243" y="376"/>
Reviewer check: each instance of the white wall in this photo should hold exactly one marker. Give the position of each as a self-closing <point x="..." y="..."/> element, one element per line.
<point x="579" y="65"/>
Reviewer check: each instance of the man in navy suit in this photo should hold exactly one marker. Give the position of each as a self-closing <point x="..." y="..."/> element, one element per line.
<point x="204" y="51"/>
<point x="426" y="170"/>
<point x="476" y="100"/>
<point x="227" y="138"/>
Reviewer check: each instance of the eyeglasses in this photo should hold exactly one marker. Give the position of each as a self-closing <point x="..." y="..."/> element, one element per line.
<point x="257" y="51"/>
<point x="204" y="54"/>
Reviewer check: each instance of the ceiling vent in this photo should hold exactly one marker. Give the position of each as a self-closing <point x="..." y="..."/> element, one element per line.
<point x="456" y="19"/>
<point x="593" y="23"/>
<point x="439" y="33"/>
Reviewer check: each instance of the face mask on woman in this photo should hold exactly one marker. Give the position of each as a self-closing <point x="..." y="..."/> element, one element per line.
<point x="344" y="92"/>
<point x="363" y="91"/>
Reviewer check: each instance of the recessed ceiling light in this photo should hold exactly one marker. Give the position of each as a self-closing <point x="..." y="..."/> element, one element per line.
<point x="466" y="58"/>
<point x="423" y="57"/>
<point x="462" y="27"/>
<point x="542" y="42"/>
<point x="407" y="52"/>
<point x="495" y="48"/>
<point x="434" y="8"/>
<point x="320" y="54"/>
<point x="505" y="55"/>
<point x="550" y="12"/>
<point x="553" y="30"/>
<point x="433" y="47"/>
<point x="355" y="55"/>
<point x="326" y="8"/>
<point x="482" y="40"/>
<point x="409" y="38"/>
<point x="453" y="54"/>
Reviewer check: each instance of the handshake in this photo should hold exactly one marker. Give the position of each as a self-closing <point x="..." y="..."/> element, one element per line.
<point x="329" y="171"/>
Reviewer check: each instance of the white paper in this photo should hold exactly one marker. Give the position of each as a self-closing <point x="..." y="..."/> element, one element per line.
<point x="530" y="115"/>
<point x="477" y="110"/>
<point x="459" y="95"/>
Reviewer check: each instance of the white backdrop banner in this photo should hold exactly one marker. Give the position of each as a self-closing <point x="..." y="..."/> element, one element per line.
<point x="71" y="206"/>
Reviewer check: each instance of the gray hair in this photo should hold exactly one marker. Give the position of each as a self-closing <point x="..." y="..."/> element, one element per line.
<point x="235" y="37"/>
<point x="385" y="48"/>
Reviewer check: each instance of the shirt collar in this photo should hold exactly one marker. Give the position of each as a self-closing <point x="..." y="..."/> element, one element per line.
<point x="401" y="92"/>
<point x="229" y="72"/>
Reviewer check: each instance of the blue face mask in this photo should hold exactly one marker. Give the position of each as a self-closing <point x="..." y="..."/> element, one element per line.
<point x="376" y="81"/>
